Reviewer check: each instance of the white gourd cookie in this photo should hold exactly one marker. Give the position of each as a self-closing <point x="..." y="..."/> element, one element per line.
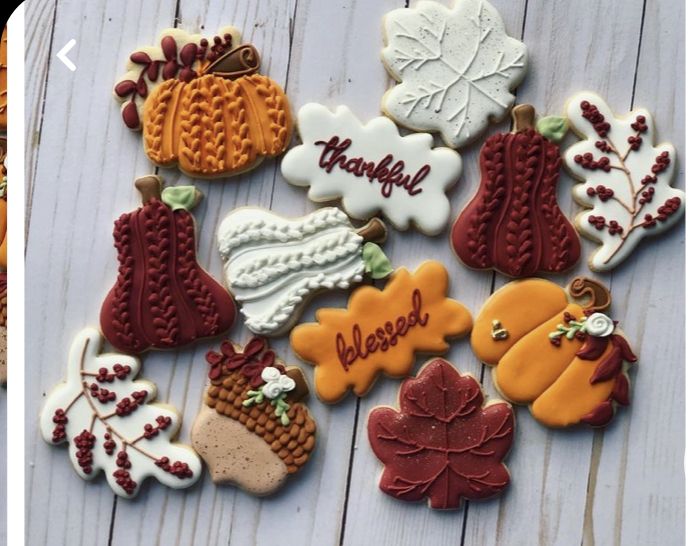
<point x="457" y="68"/>
<point x="372" y="168"/>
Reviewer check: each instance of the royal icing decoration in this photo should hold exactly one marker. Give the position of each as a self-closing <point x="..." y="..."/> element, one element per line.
<point x="272" y="265"/>
<point x="202" y="105"/>
<point x="443" y="443"/>
<point x="563" y="356"/>
<point x="3" y="203"/>
<point x="514" y="224"/>
<point x="110" y="423"/>
<point x="627" y="179"/>
<point x="372" y="168"/>
<point x="253" y="431"/>
<point x="162" y="298"/>
<point x="3" y="328"/>
<point x="457" y="67"/>
<point x="381" y="331"/>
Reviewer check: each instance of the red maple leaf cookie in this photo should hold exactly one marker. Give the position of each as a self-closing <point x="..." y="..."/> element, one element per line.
<point x="443" y="443"/>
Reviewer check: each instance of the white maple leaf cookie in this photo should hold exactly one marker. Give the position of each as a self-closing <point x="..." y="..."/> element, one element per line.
<point x="457" y="68"/>
<point x="372" y="168"/>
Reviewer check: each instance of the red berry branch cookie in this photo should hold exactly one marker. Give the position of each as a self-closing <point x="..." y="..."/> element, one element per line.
<point x="627" y="179"/>
<point x="514" y="224"/>
<point x="162" y="298"/>
<point x="110" y="423"/>
<point x="561" y="355"/>
<point x="444" y="443"/>
<point x="253" y="431"/>
<point x="202" y="105"/>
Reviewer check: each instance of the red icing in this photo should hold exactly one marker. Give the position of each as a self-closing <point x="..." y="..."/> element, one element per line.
<point x="254" y="358"/>
<point x="162" y="298"/>
<point x="611" y="365"/>
<point x="514" y="224"/>
<point x="383" y="338"/>
<point x="442" y="444"/>
<point x="383" y="172"/>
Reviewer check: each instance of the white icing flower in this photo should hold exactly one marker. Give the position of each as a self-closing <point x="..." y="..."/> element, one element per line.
<point x="599" y="325"/>
<point x="275" y="383"/>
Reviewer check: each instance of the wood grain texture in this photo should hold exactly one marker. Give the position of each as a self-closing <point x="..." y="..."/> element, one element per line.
<point x="621" y="486"/>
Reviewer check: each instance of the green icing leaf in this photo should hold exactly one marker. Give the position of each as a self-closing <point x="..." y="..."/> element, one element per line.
<point x="180" y="197"/>
<point x="553" y="127"/>
<point x="377" y="264"/>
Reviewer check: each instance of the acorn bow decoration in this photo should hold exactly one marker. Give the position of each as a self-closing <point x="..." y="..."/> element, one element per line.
<point x="202" y="104"/>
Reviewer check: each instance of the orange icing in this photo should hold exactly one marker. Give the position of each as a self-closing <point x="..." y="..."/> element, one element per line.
<point x="346" y="345"/>
<point x="213" y="126"/>
<point x="528" y="368"/>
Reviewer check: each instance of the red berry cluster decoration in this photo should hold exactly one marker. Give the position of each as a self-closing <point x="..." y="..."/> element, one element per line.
<point x="646" y="196"/>
<point x="119" y="372"/>
<point x="60" y="420"/>
<point x="84" y="442"/>
<point x="648" y="179"/>
<point x="615" y="228"/>
<point x="597" y="221"/>
<point x="128" y="405"/>
<point x="602" y="192"/>
<point x="592" y="114"/>
<point x="669" y="207"/>
<point x="122" y="476"/>
<point x="151" y="431"/>
<point x="661" y="163"/>
<point x="109" y="444"/>
<point x="177" y="468"/>
<point x="587" y="161"/>
<point x="603" y="146"/>
<point x="102" y="395"/>
<point x="220" y="46"/>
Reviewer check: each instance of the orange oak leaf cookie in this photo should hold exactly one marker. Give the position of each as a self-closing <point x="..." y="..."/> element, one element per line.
<point x="555" y="351"/>
<point x="202" y="105"/>
<point x="444" y="443"/>
<point x="253" y="431"/>
<point x="381" y="331"/>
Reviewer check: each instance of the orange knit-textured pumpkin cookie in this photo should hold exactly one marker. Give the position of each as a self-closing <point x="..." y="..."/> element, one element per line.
<point x="381" y="331"/>
<point x="202" y="105"/>
<point x="554" y="351"/>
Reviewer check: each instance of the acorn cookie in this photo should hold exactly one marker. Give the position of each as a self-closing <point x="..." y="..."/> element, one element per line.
<point x="252" y="430"/>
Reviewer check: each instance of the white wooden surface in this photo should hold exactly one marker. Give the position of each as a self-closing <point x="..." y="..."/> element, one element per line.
<point x="619" y="486"/>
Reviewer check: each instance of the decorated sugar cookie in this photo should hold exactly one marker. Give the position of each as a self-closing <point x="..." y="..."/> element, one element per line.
<point x="456" y="67"/>
<point x="3" y="328"/>
<point x="381" y="331"/>
<point x="3" y="80"/>
<point x="627" y="179"/>
<point x="273" y="265"/>
<point x="514" y="224"/>
<point x="253" y="431"/>
<point x="556" y="352"/>
<point x="372" y="168"/>
<point x="3" y="203"/>
<point x="162" y="298"/>
<point x="202" y="105"/>
<point x="108" y="420"/>
<point x="443" y="443"/>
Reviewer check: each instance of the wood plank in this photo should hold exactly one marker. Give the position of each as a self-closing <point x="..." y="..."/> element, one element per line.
<point x="85" y="166"/>
<point x="638" y="479"/>
<point x="571" y="49"/>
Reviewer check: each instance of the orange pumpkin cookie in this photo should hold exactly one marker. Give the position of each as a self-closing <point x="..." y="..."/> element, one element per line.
<point x="381" y="331"/>
<point x="202" y="105"/>
<point x="555" y="351"/>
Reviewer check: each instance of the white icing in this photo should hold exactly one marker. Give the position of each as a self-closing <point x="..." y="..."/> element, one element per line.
<point x="362" y="198"/>
<point x="273" y="264"/>
<point x="615" y="248"/>
<point x="85" y="359"/>
<point x="276" y="383"/>
<point x="155" y="53"/>
<point x="457" y="67"/>
<point x="599" y="325"/>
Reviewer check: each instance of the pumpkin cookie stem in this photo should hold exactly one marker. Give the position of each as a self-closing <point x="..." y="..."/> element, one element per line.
<point x="523" y="117"/>
<point x="374" y="231"/>
<point x="150" y="187"/>
<point x="599" y="295"/>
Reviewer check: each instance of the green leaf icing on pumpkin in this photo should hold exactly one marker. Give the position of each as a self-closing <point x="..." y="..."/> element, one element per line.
<point x="377" y="264"/>
<point x="180" y="197"/>
<point x="553" y="127"/>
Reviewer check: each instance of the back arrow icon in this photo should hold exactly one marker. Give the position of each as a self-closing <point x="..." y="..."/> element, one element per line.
<point x="62" y="55"/>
